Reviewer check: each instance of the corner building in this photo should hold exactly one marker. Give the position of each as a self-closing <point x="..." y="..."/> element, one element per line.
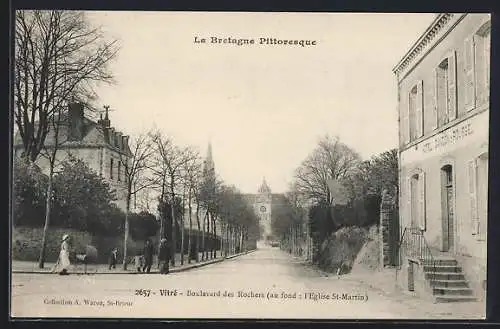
<point x="443" y="105"/>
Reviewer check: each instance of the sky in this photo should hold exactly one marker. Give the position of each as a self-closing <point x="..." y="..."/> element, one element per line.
<point x="262" y="107"/>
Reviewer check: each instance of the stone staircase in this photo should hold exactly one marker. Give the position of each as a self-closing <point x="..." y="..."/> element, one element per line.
<point x="447" y="281"/>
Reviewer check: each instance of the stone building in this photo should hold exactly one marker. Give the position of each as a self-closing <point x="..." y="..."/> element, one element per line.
<point x="262" y="203"/>
<point x="443" y="105"/>
<point x="102" y="147"/>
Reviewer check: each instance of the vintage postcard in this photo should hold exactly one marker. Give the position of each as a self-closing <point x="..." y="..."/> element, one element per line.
<point x="237" y="165"/>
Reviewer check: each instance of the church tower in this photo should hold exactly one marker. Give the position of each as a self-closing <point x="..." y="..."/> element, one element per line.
<point x="263" y="209"/>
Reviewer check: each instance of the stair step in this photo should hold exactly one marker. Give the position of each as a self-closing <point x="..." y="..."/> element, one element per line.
<point x="442" y="261"/>
<point x="451" y="299"/>
<point x="443" y="268"/>
<point x="452" y="291"/>
<point x="444" y="276"/>
<point x="449" y="283"/>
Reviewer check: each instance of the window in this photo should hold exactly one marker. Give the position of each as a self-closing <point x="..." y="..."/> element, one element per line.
<point x="416" y="200"/>
<point x="477" y="67"/>
<point x="446" y="92"/>
<point x="415" y="111"/>
<point x="119" y="171"/>
<point x="111" y="169"/>
<point x="478" y="194"/>
<point x="482" y="55"/>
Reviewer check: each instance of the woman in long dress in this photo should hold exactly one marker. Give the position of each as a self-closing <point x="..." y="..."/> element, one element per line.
<point x="63" y="262"/>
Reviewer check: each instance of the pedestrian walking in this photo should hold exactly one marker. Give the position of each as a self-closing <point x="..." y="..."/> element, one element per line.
<point x="63" y="262"/>
<point x="164" y="256"/>
<point x="113" y="258"/>
<point x="148" y="256"/>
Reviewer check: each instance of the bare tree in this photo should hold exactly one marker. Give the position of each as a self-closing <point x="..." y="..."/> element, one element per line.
<point x="168" y="163"/>
<point x="59" y="58"/>
<point x="331" y="159"/>
<point x="135" y="164"/>
<point x="49" y="151"/>
<point x="192" y="175"/>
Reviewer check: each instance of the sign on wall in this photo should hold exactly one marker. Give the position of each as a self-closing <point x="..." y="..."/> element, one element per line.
<point x="467" y="132"/>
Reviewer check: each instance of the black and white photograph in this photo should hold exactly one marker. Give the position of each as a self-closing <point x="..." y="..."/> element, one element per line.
<point x="249" y="165"/>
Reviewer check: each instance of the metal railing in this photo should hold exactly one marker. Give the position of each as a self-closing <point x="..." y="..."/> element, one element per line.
<point x="414" y="245"/>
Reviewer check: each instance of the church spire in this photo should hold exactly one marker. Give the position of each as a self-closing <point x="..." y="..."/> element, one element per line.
<point x="209" y="161"/>
<point x="264" y="188"/>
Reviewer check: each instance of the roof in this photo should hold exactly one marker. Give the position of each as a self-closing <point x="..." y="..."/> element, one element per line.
<point x="437" y="29"/>
<point x="92" y="134"/>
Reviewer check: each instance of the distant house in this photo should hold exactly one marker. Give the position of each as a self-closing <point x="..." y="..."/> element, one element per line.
<point x="103" y="148"/>
<point x="443" y="105"/>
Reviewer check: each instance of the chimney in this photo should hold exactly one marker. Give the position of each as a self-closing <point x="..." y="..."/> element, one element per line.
<point x="119" y="140"/>
<point x="75" y="115"/>
<point x="106" y="123"/>
<point x="111" y="131"/>
<point x="125" y="142"/>
<point x="106" y="134"/>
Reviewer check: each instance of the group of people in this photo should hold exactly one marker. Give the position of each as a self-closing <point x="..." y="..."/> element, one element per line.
<point x="143" y="259"/>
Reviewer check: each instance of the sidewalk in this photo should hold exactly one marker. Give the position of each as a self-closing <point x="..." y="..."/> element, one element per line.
<point x="32" y="267"/>
<point x="384" y="283"/>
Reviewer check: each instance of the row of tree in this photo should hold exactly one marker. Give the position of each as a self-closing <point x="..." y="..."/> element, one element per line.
<point x="333" y="187"/>
<point x="60" y="59"/>
<point x="183" y="180"/>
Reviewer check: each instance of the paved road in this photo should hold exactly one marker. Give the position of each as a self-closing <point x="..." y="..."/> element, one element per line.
<point x="264" y="284"/>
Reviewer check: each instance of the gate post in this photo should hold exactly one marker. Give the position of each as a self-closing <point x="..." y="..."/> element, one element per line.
<point x="386" y="231"/>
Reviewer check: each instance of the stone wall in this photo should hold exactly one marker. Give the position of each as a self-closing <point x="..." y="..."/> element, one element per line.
<point x="27" y="241"/>
<point x="389" y="232"/>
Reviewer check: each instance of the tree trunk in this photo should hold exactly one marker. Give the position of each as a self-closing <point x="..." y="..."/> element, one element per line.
<point x="182" y="231"/>
<point x="203" y="242"/>
<point x="214" y="232"/>
<point x="125" y="239"/>
<point x="222" y="239"/>
<point x="197" y="249"/>
<point x="190" y="209"/>
<point x="162" y="218"/>
<point x="48" y="203"/>
<point x="209" y="240"/>
<point x="174" y="241"/>
<point x="241" y="240"/>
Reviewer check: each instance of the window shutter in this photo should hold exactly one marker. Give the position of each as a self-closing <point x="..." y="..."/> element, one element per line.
<point x="405" y="127"/>
<point x="408" y="201"/>
<point x="469" y="61"/>
<point x="452" y="86"/>
<point x="435" y="114"/>
<point x="421" y="200"/>
<point x="419" y="110"/>
<point x="480" y="69"/>
<point x="472" y="169"/>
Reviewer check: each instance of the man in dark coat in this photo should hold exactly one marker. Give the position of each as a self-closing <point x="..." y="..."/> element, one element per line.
<point x="148" y="256"/>
<point x="164" y="256"/>
<point x="113" y="257"/>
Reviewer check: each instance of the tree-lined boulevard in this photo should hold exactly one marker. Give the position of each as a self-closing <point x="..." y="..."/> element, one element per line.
<point x="98" y="201"/>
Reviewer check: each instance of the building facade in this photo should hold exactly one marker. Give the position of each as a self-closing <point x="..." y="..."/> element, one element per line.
<point x="262" y="204"/>
<point x="103" y="148"/>
<point x="443" y="105"/>
<point x="263" y="207"/>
